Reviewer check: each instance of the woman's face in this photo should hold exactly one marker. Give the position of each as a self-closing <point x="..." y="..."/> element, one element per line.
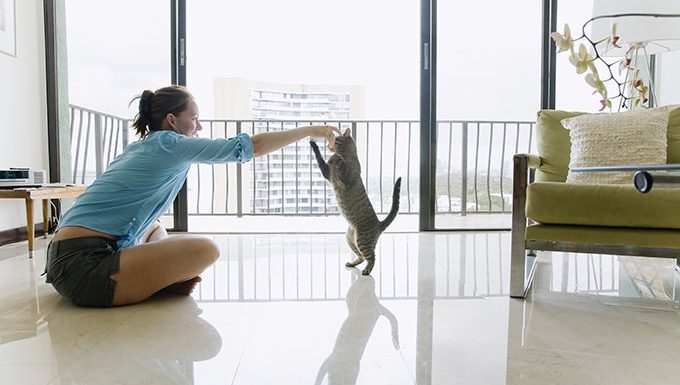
<point x="186" y="123"/>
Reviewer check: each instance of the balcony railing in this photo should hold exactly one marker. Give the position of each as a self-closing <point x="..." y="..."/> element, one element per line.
<point x="473" y="166"/>
<point x="96" y="139"/>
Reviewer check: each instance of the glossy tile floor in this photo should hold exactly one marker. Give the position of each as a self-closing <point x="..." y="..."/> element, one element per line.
<point x="282" y="309"/>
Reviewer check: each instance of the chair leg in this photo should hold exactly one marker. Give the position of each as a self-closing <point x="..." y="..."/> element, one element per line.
<point x="519" y="279"/>
<point x="517" y="267"/>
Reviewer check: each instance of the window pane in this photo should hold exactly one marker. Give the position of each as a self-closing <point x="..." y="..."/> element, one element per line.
<point x="300" y="62"/>
<point x="115" y="49"/>
<point x="488" y="93"/>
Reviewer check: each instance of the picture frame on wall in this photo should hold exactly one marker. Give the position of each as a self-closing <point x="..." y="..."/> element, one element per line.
<point x="8" y="41"/>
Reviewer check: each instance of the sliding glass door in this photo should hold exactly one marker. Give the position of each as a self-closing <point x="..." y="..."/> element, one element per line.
<point x="267" y="65"/>
<point x="116" y="50"/>
<point x="487" y="81"/>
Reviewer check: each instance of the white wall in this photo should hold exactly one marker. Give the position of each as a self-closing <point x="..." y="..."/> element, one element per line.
<point x="669" y="78"/>
<point x="23" y="111"/>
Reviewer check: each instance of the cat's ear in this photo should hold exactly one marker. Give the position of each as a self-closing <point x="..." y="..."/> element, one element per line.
<point x="347" y="132"/>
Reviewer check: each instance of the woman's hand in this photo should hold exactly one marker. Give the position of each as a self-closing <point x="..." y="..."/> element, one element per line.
<point x="325" y="132"/>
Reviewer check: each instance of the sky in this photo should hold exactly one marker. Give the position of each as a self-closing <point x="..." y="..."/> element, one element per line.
<point x="488" y="52"/>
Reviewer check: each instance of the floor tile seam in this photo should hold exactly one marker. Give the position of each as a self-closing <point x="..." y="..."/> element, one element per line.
<point x="246" y="344"/>
<point x="660" y="329"/>
<point x="407" y="366"/>
<point x="669" y="307"/>
<point x="52" y="380"/>
<point x="562" y="303"/>
<point x="590" y="354"/>
<point x="618" y="358"/>
<point x="621" y="310"/>
<point x="559" y="356"/>
<point x="636" y="324"/>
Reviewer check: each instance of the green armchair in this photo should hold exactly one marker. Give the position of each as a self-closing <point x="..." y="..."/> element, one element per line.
<point x="551" y="215"/>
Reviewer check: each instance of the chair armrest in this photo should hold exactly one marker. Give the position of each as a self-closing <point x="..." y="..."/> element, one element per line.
<point x="533" y="161"/>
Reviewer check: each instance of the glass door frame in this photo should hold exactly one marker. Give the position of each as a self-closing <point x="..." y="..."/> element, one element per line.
<point x="178" y="33"/>
<point x="428" y="98"/>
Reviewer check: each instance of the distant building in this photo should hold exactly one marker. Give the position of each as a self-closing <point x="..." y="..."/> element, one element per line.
<point x="287" y="181"/>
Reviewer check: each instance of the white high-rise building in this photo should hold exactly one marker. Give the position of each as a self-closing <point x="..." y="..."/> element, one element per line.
<point x="289" y="180"/>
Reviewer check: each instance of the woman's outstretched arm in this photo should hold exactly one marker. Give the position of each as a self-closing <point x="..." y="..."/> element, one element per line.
<point x="266" y="142"/>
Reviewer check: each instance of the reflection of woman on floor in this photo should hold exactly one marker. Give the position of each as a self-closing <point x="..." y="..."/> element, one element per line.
<point x="342" y="366"/>
<point x="152" y="346"/>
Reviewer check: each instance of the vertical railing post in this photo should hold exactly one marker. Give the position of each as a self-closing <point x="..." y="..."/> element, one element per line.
<point x="239" y="192"/>
<point x="125" y="133"/>
<point x="463" y="198"/>
<point x="98" y="147"/>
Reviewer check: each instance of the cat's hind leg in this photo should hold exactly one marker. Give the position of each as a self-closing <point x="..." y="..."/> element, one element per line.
<point x="352" y="242"/>
<point x="370" y="262"/>
<point x="366" y="245"/>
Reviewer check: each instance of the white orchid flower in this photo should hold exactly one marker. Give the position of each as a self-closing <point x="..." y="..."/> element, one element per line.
<point x="595" y="82"/>
<point x="581" y="60"/>
<point x="564" y="42"/>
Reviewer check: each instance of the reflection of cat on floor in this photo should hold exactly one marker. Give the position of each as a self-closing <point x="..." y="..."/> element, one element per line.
<point x="342" y="366"/>
<point x="157" y="344"/>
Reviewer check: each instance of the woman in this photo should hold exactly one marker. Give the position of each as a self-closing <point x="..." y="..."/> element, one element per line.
<point x="109" y="248"/>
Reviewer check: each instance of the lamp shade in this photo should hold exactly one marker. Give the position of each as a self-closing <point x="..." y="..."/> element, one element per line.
<point x="658" y="30"/>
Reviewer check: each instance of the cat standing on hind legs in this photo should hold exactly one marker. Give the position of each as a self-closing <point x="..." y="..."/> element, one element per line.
<point x="343" y="171"/>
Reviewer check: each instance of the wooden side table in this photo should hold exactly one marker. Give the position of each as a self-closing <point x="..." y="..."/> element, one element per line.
<point x="44" y="194"/>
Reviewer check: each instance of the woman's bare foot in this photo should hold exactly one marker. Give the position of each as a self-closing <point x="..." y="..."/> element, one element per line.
<point x="182" y="288"/>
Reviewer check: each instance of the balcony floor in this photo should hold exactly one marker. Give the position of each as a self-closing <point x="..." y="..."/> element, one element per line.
<point x="282" y="308"/>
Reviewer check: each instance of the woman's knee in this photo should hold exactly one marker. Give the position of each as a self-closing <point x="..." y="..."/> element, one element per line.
<point x="155" y="232"/>
<point x="207" y="250"/>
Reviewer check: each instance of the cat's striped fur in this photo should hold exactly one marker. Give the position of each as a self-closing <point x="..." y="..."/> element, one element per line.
<point x="344" y="172"/>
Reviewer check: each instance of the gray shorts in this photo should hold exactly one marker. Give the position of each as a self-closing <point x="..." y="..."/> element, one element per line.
<point x="80" y="269"/>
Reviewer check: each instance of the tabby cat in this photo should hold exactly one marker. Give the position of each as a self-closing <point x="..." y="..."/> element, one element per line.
<point x="344" y="172"/>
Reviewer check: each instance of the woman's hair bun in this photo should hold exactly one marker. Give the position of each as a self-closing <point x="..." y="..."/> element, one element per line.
<point x="145" y="104"/>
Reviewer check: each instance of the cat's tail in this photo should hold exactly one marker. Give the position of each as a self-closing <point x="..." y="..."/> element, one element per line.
<point x="395" y="206"/>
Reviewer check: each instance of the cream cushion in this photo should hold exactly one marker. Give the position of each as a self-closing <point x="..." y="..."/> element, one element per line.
<point x="635" y="137"/>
